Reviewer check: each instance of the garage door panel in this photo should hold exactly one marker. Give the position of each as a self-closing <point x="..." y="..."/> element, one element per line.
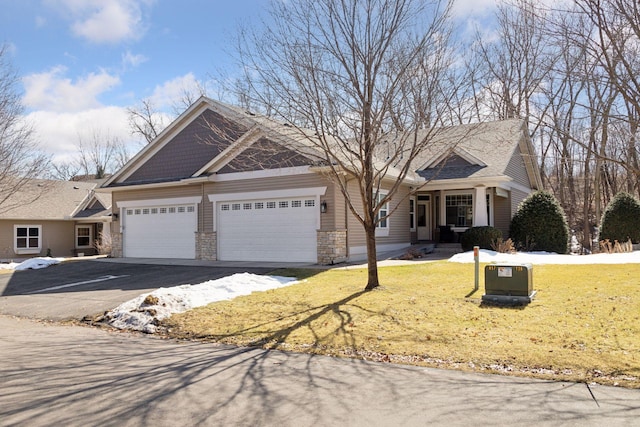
<point x="268" y="230"/>
<point x="160" y="232"/>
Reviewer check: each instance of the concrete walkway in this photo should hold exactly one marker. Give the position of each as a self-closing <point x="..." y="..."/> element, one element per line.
<point x="77" y="376"/>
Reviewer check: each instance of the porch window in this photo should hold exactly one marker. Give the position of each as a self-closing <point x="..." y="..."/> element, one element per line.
<point x="412" y="214"/>
<point x="459" y="210"/>
<point x="27" y="239"/>
<point x="382" y="227"/>
<point x="83" y="236"/>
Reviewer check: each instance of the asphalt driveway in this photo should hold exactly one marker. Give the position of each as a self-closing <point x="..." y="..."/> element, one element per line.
<point x="75" y="289"/>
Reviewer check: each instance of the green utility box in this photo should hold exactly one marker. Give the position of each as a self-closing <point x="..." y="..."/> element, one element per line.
<point x="508" y="283"/>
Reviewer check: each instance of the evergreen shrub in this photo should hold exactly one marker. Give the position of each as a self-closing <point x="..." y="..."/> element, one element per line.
<point x="484" y="237"/>
<point x="621" y="219"/>
<point x="540" y="225"/>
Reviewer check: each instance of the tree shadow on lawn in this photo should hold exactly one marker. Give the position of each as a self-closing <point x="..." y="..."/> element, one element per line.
<point x="278" y="336"/>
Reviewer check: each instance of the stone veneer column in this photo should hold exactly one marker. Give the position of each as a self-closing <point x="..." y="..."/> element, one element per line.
<point x="206" y="246"/>
<point x="116" y="245"/>
<point x="332" y="247"/>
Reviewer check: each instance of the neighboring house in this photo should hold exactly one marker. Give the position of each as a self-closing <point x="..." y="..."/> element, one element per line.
<point x="57" y="218"/>
<point x="221" y="183"/>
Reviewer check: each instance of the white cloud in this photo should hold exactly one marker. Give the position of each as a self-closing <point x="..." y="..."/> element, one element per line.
<point x="131" y="60"/>
<point x="468" y="8"/>
<point x="52" y="91"/>
<point x="58" y="132"/>
<point x="103" y="21"/>
<point x="171" y="92"/>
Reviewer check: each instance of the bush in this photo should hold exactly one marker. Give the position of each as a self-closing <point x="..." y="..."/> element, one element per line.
<point x="621" y="219"/>
<point x="540" y="225"/>
<point x="484" y="237"/>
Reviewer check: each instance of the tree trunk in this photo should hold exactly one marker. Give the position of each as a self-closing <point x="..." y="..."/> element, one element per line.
<point x="372" y="260"/>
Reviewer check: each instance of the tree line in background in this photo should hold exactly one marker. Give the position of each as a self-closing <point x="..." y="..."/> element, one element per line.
<point x="572" y="70"/>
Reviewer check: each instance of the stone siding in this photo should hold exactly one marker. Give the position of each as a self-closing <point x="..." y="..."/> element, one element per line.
<point x="332" y="247"/>
<point x="206" y="246"/>
<point x="116" y="245"/>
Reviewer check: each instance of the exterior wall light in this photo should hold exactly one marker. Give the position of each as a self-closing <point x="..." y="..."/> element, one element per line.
<point x="323" y="207"/>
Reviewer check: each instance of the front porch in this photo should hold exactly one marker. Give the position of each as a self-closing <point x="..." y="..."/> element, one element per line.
<point x="440" y="216"/>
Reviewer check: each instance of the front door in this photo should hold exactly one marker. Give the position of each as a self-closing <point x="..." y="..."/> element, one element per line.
<point x="424" y="218"/>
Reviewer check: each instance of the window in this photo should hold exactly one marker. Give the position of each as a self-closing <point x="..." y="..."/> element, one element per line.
<point x="83" y="236"/>
<point x="412" y="214"/>
<point x="296" y="203"/>
<point x="246" y="206"/>
<point x="283" y="204"/>
<point x="271" y="205"/>
<point x="27" y="239"/>
<point x="382" y="228"/>
<point x="309" y="203"/>
<point x="182" y="209"/>
<point x="459" y="210"/>
<point x="259" y="205"/>
<point x="224" y="207"/>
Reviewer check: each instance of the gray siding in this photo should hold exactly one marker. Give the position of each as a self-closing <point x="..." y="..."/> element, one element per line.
<point x="517" y="197"/>
<point x="502" y="214"/>
<point x="517" y="170"/>
<point x="399" y="231"/>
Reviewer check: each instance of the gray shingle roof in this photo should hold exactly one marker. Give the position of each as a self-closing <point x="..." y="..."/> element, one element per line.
<point x="492" y="144"/>
<point x="46" y="200"/>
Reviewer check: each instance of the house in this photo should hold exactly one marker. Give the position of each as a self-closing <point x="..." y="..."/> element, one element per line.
<point x="220" y="183"/>
<point x="54" y="218"/>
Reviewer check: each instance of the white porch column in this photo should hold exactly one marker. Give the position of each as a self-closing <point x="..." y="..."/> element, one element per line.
<point x="480" y="218"/>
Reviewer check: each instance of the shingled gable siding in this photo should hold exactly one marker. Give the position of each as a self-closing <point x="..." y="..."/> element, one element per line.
<point x="264" y="154"/>
<point x="189" y="150"/>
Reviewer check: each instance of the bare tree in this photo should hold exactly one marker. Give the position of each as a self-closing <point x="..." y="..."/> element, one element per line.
<point x="145" y="121"/>
<point x="20" y="159"/>
<point x="350" y="76"/>
<point x="96" y="157"/>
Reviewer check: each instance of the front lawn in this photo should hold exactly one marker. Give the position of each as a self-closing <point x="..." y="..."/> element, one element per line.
<point x="584" y="324"/>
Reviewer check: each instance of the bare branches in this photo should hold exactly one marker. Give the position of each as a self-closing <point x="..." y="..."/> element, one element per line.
<point x="366" y="77"/>
<point x="20" y="159"/>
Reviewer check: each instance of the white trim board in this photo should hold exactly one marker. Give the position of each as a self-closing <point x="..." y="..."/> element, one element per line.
<point x="158" y="202"/>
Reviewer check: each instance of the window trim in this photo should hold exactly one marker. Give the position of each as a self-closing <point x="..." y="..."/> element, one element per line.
<point x="471" y="195"/>
<point x="27" y="250"/>
<point x="79" y="226"/>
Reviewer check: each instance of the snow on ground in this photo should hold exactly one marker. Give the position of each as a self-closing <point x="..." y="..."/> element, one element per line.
<point x="31" y="263"/>
<point x="539" y="258"/>
<point x="144" y="312"/>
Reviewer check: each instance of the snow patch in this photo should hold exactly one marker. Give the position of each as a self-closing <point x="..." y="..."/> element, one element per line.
<point x="539" y="258"/>
<point x="144" y="312"/>
<point x="31" y="264"/>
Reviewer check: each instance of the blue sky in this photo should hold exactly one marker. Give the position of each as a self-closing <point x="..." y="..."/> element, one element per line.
<point x="83" y="62"/>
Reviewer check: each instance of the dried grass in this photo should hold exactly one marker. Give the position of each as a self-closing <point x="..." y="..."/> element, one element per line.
<point x="584" y="324"/>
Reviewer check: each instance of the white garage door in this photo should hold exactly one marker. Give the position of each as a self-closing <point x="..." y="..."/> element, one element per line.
<point x="160" y="232"/>
<point x="268" y="230"/>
